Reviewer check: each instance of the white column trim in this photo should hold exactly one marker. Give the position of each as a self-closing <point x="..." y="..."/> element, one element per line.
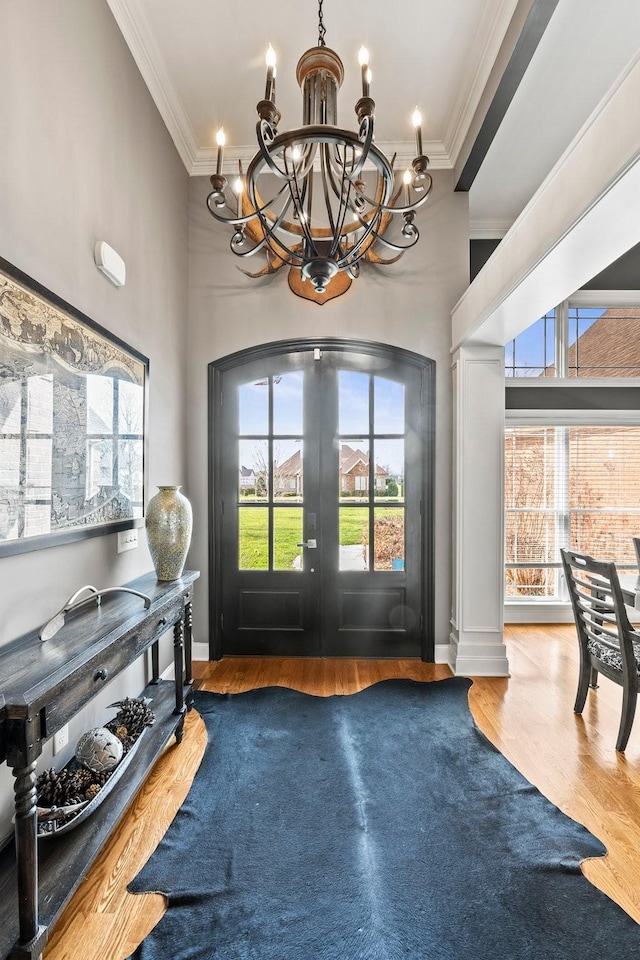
<point x="476" y="639"/>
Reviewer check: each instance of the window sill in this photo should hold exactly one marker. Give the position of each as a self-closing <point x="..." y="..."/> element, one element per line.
<point x="546" y="611"/>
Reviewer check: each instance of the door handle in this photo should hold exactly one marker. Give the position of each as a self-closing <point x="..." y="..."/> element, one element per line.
<point x="311" y="544"/>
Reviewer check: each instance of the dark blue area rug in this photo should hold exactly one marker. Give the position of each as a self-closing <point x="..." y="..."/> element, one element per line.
<point x="379" y="826"/>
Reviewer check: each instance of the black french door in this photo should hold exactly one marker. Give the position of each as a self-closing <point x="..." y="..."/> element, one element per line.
<point x="321" y="495"/>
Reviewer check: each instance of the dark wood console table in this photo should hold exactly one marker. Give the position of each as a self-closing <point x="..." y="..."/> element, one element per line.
<point x="42" y="685"/>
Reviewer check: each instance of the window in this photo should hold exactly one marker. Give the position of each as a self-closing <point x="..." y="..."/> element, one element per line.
<point x="572" y="452"/>
<point x="577" y="340"/>
<point x="568" y="486"/>
<point x="603" y="342"/>
<point x="532" y="353"/>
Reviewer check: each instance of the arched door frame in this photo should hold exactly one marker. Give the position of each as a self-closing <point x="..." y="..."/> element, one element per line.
<point x="218" y="368"/>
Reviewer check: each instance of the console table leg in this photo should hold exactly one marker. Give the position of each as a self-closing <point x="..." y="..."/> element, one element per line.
<point x="188" y="639"/>
<point x="155" y="663"/>
<point x="26" y="850"/>
<point x="178" y="667"/>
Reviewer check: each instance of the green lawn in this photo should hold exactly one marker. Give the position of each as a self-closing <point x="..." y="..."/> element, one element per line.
<point x="254" y="526"/>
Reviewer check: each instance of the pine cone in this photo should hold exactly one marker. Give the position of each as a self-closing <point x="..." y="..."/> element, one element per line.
<point x="101" y="778"/>
<point x="92" y="791"/>
<point x="70" y="786"/>
<point x="133" y="714"/>
<point x="121" y="733"/>
<point x="45" y="787"/>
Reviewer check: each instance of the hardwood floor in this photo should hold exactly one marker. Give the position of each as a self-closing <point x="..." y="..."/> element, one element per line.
<point x="529" y="717"/>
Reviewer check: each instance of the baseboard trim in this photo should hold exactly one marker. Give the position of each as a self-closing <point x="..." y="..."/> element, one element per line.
<point x="486" y="661"/>
<point x="442" y="653"/>
<point x="200" y="651"/>
<point x="168" y="673"/>
<point x="482" y="667"/>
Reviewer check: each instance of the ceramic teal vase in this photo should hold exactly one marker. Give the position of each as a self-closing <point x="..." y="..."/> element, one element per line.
<point x="169" y="522"/>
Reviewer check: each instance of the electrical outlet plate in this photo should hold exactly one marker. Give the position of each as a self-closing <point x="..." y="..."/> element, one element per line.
<point x="60" y="739"/>
<point x="127" y="540"/>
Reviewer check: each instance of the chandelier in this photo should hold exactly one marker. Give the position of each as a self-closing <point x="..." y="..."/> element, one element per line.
<point x="331" y="195"/>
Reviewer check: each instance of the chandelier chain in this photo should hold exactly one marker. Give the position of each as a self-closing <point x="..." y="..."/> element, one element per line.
<point x="321" y="27"/>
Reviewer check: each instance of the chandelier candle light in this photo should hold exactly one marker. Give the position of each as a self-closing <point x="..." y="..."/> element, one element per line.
<point x="332" y="231"/>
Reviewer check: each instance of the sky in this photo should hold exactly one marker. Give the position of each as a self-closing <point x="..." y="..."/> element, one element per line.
<point x="353" y="398"/>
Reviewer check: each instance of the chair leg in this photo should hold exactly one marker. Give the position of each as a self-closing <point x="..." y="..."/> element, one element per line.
<point x="629" y="701"/>
<point x="583" y="684"/>
<point x="593" y="682"/>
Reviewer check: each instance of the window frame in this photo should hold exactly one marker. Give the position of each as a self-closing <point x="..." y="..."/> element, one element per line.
<point x="550" y="416"/>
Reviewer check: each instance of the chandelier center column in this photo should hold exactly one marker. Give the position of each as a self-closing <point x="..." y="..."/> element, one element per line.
<point x="320" y="74"/>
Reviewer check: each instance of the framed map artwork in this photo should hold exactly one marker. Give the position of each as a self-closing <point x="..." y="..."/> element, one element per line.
<point x="73" y="409"/>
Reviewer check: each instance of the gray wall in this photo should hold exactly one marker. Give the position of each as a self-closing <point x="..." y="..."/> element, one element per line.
<point x="407" y="305"/>
<point x="85" y="156"/>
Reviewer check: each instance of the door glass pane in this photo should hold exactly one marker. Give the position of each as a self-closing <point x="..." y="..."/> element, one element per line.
<point x="253" y="404"/>
<point x="287" y="403"/>
<point x="353" y="470"/>
<point x="287" y="534"/>
<point x="389" y="469"/>
<point x="388" y="534"/>
<point x="354" y="538"/>
<point x="287" y="470"/>
<point x="253" y="538"/>
<point x="253" y="470"/>
<point x="388" y="405"/>
<point x="353" y="398"/>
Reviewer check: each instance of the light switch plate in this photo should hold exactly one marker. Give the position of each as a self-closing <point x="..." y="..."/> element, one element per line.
<point x="127" y="540"/>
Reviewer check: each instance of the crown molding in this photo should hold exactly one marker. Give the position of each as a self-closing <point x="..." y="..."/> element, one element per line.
<point x="204" y="163"/>
<point x="489" y="229"/>
<point x="138" y="36"/>
<point x="472" y="88"/>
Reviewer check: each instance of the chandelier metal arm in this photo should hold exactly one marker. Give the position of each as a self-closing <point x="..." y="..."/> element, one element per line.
<point x="335" y="226"/>
<point x="219" y="200"/>
<point x="333" y="165"/>
<point x="304" y="220"/>
<point x="318" y="134"/>
<point x="278" y="248"/>
<point x="270" y="146"/>
<point x="412" y="234"/>
<point x="367" y="125"/>
<point x="414" y="205"/>
<point x="366" y="241"/>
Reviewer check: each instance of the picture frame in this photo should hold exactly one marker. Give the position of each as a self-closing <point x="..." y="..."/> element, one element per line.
<point x="73" y="422"/>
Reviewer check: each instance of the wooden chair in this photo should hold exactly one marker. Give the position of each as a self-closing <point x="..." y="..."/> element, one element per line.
<point x="608" y="643"/>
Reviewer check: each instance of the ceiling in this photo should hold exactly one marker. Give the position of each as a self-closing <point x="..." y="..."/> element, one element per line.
<point x="512" y="81"/>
